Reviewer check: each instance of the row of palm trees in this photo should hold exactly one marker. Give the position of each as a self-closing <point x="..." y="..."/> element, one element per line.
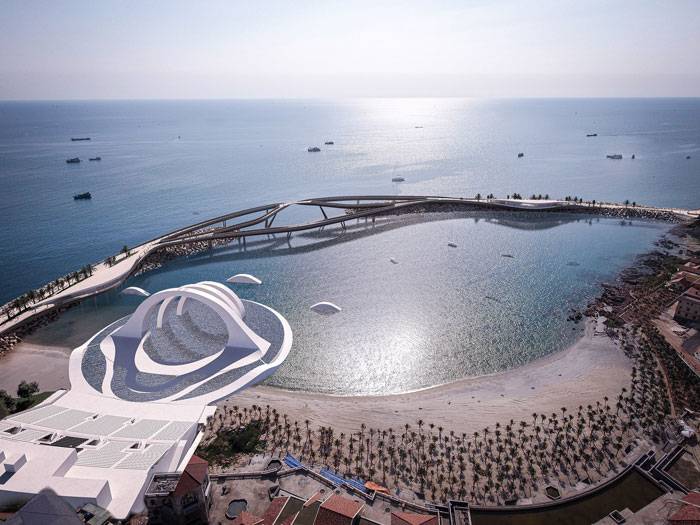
<point x="29" y="299"/>
<point x="493" y="465"/>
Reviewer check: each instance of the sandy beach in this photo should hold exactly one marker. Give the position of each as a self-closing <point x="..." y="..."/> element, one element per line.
<point x="47" y="365"/>
<point x="584" y="373"/>
<point x="592" y="368"/>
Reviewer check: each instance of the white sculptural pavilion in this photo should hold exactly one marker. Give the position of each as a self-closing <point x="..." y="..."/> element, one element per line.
<point x="141" y="391"/>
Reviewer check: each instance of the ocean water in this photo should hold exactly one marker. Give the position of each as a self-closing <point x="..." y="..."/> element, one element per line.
<point x="440" y="314"/>
<point x="168" y="164"/>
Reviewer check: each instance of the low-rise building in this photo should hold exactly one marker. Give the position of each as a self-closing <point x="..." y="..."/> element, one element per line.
<point x="180" y="499"/>
<point x="47" y="507"/>
<point x="688" y="308"/>
<point x="411" y="518"/>
<point x="338" y="510"/>
<point x="690" y="267"/>
<point x="689" y="513"/>
<point x="684" y="280"/>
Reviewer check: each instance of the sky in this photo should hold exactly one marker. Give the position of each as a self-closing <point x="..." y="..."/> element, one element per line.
<point x="86" y="49"/>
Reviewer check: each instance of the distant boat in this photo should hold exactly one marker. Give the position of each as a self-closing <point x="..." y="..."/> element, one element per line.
<point x="507" y="255"/>
<point x="633" y="156"/>
<point x="393" y="261"/>
<point x="313" y="149"/>
<point x="329" y="143"/>
<point x="74" y="160"/>
<point x="592" y="135"/>
<point x="96" y="158"/>
<point x="418" y="127"/>
<point x="616" y="156"/>
<point x="521" y="155"/>
<point x="78" y="139"/>
<point x="398" y="179"/>
<point x="687" y="157"/>
<point x="451" y="245"/>
<point x="82" y="196"/>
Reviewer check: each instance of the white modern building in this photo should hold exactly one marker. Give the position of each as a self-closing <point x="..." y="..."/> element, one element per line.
<point x="141" y="391"/>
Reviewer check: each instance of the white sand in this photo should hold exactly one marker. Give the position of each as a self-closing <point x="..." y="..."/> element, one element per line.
<point x="48" y="365"/>
<point x="592" y="368"/>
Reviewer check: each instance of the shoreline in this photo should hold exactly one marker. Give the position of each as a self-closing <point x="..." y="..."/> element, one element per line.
<point x="37" y="362"/>
<point x="582" y="374"/>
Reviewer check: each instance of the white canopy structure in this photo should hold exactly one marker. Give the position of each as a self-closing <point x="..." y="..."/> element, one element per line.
<point x="135" y="290"/>
<point x="243" y="278"/>
<point x="325" y="308"/>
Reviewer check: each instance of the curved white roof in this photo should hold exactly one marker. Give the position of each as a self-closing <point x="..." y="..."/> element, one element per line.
<point x="135" y="290"/>
<point x="326" y="308"/>
<point x="243" y="278"/>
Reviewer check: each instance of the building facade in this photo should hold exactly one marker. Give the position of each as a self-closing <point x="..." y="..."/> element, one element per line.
<point x="180" y="499"/>
<point x="688" y="308"/>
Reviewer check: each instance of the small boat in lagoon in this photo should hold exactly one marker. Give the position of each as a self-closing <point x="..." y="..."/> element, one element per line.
<point x="452" y="244"/>
<point x="95" y="158"/>
<point x="79" y="139"/>
<point x="313" y="149"/>
<point x="329" y="143"/>
<point x="592" y="135"/>
<point x="615" y="156"/>
<point x="521" y="155"/>
<point x="398" y="179"/>
<point x="82" y="196"/>
<point x="74" y="160"/>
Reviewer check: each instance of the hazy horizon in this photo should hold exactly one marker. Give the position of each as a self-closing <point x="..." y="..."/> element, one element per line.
<point x="80" y="50"/>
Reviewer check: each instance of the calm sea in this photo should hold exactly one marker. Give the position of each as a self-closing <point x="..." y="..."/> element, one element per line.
<point x="441" y="313"/>
<point x="167" y="164"/>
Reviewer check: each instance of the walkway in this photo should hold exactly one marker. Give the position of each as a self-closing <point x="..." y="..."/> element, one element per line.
<point x="259" y="220"/>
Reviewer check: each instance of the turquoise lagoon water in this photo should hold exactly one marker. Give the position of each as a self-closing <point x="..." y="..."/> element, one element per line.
<point x="438" y="315"/>
<point x="168" y="164"/>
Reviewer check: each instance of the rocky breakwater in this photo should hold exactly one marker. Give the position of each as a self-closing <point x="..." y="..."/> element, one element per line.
<point x="159" y="257"/>
<point x="15" y="336"/>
